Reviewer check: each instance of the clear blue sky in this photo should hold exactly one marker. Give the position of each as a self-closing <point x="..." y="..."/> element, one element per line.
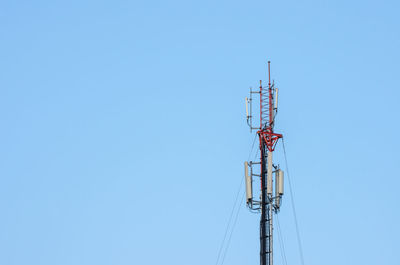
<point x="123" y="129"/>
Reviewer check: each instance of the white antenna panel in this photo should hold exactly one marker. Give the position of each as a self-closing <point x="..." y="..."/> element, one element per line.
<point x="249" y="183"/>
<point x="279" y="182"/>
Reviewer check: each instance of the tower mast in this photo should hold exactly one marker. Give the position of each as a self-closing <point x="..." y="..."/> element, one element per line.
<point x="269" y="203"/>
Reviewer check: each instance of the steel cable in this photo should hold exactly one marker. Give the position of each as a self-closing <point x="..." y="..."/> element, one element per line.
<point x="229" y="222"/>
<point x="281" y="242"/>
<point x="233" y="228"/>
<point x="231" y="214"/>
<point x="293" y="206"/>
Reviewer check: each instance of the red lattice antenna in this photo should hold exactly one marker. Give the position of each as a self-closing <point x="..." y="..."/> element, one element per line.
<point x="267" y="115"/>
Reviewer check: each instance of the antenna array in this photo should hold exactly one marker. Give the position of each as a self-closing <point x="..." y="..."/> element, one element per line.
<point x="270" y="197"/>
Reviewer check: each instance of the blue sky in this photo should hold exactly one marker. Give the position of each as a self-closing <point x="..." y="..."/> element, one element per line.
<point x="123" y="129"/>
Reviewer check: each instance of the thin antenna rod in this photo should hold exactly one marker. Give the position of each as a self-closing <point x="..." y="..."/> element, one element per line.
<point x="261" y="106"/>
<point x="271" y="109"/>
<point x="269" y="75"/>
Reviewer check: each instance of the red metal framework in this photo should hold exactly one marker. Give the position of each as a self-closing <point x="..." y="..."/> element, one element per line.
<point x="266" y="131"/>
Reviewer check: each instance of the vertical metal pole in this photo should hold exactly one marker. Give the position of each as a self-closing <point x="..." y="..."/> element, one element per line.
<point x="269" y="74"/>
<point x="263" y="234"/>
<point x="269" y="223"/>
<point x="271" y="228"/>
<point x="263" y="260"/>
<point x="269" y="173"/>
<point x="251" y="110"/>
<point x="269" y="169"/>
<point x="266" y="147"/>
<point x="271" y="109"/>
<point x="261" y="107"/>
<point x="266" y="209"/>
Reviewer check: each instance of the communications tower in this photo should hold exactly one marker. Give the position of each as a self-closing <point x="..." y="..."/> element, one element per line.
<point x="270" y="195"/>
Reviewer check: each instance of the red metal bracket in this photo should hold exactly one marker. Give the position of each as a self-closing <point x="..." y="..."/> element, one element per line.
<point x="270" y="138"/>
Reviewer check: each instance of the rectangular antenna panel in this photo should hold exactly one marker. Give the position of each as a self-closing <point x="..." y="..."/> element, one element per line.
<point x="276" y="99"/>
<point x="249" y="183"/>
<point x="279" y="182"/>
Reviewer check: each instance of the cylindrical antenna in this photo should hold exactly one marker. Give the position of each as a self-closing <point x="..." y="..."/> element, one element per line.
<point x="278" y="188"/>
<point x="280" y="182"/>
<point x="276" y="99"/>
<point x="249" y="184"/>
